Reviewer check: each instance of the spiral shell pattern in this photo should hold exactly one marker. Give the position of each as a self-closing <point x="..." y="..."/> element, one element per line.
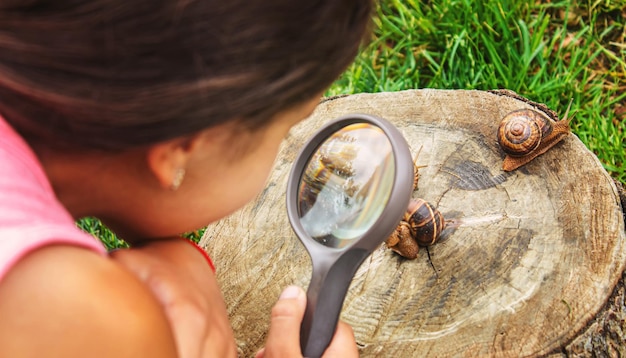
<point x="520" y="132"/>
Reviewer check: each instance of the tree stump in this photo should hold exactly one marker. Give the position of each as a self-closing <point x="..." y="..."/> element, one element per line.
<point x="530" y="268"/>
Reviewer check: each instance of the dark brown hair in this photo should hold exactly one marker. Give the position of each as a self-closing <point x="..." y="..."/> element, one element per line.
<point x="113" y="74"/>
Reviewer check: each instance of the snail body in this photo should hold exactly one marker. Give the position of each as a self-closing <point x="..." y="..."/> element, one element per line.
<point x="525" y="134"/>
<point x="421" y="225"/>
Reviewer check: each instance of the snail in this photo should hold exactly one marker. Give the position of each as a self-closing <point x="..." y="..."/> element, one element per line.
<point x="525" y="134"/>
<point x="421" y="226"/>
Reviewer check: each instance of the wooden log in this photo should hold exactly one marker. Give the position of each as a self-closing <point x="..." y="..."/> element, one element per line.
<point x="528" y="270"/>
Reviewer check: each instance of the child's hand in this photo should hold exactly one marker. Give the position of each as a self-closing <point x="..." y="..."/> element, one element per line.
<point x="284" y="336"/>
<point x="183" y="283"/>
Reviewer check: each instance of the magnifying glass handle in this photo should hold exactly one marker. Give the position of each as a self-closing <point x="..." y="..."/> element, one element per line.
<point x="315" y="339"/>
<point x="325" y="297"/>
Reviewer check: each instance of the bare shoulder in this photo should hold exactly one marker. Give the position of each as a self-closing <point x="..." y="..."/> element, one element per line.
<point x="70" y="302"/>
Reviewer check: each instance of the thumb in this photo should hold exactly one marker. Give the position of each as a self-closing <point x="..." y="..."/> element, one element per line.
<point x="283" y="339"/>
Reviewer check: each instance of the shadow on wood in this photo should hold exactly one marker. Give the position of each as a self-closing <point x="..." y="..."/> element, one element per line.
<point x="535" y="258"/>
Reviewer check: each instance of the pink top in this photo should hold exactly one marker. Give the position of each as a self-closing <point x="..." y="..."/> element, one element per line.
<point x="30" y="214"/>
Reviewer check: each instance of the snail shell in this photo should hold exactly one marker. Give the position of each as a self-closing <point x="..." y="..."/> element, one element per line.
<point x="421" y="225"/>
<point x="525" y="134"/>
<point x="521" y="131"/>
<point x="425" y="222"/>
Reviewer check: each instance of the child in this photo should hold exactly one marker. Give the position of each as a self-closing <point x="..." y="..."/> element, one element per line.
<point x="158" y="117"/>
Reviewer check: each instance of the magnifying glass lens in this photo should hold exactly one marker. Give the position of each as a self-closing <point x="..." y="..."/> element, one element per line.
<point x="346" y="184"/>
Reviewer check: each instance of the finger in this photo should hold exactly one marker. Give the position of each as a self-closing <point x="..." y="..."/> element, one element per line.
<point x="188" y="328"/>
<point x="283" y="339"/>
<point x="260" y="353"/>
<point x="187" y="321"/>
<point x="134" y="261"/>
<point x="343" y="343"/>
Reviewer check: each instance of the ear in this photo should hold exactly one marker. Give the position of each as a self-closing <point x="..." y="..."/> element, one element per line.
<point x="166" y="159"/>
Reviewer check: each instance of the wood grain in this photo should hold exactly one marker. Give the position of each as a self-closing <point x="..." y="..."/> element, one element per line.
<point x="528" y="261"/>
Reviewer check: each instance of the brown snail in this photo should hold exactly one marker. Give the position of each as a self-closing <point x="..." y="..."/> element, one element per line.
<point x="421" y="226"/>
<point x="525" y="134"/>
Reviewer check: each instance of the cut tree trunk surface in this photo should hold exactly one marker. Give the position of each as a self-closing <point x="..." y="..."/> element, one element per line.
<point x="527" y="269"/>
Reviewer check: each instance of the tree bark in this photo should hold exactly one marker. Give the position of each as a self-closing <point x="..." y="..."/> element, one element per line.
<point x="528" y="266"/>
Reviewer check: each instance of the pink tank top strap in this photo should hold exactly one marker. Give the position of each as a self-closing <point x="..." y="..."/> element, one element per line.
<point x="30" y="214"/>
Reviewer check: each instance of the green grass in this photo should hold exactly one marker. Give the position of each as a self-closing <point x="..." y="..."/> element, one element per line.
<point x="111" y="241"/>
<point x="96" y="228"/>
<point x="549" y="52"/>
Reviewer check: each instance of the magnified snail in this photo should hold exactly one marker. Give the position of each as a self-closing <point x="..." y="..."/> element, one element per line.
<point x="525" y="134"/>
<point x="421" y="225"/>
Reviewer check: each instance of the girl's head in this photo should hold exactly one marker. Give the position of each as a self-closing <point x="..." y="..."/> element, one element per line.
<point x="116" y="74"/>
<point x="118" y="96"/>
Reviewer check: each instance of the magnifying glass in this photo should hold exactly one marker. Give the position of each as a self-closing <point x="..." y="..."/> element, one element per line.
<point x="347" y="191"/>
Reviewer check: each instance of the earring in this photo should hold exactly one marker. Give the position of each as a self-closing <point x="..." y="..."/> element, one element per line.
<point x="178" y="179"/>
